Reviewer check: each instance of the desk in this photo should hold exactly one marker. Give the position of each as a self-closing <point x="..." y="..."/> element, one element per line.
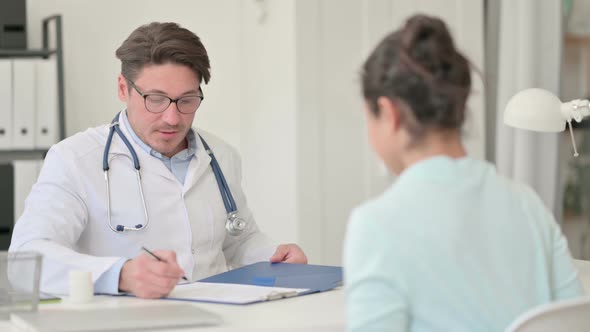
<point x="314" y="312"/>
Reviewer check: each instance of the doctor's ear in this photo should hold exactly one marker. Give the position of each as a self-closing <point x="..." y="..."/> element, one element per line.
<point x="122" y="88"/>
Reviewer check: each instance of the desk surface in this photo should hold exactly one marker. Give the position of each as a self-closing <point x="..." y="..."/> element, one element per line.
<point x="314" y="312"/>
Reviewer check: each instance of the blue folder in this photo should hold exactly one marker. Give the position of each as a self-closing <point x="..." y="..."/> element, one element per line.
<point x="316" y="278"/>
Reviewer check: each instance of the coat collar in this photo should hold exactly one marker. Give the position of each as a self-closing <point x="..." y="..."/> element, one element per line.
<point x="150" y="164"/>
<point x="198" y="165"/>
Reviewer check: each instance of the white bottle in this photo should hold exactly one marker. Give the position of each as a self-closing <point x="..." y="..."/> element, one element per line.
<point x="81" y="287"/>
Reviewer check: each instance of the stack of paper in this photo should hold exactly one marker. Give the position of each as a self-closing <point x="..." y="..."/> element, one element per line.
<point x="231" y="293"/>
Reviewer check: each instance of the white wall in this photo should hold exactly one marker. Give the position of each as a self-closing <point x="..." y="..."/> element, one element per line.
<point x="94" y="29"/>
<point x="249" y="101"/>
<point x="267" y="128"/>
<point x="336" y="168"/>
<point x="285" y="91"/>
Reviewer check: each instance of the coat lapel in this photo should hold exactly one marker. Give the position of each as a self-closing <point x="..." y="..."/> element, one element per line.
<point x="147" y="162"/>
<point x="198" y="166"/>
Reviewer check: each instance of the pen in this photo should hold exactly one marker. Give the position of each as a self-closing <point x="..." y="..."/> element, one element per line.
<point x="158" y="258"/>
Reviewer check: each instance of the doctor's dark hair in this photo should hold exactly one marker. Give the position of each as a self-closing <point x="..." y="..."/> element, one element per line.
<point x="419" y="69"/>
<point x="160" y="43"/>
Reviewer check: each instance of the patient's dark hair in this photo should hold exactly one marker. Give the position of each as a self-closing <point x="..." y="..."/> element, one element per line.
<point x="419" y="69"/>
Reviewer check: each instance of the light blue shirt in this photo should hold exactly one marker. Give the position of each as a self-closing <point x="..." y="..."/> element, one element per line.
<point x="453" y="246"/>
<point x="108" y="282"/>
<point x="178" y="164"/>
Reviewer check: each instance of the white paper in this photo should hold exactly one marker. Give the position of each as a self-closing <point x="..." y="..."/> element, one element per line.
<point x="230" y="293"/>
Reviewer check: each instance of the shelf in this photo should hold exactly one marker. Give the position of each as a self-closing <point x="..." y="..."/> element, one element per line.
<point x="45" y="51"/>
<point x="28" y="53"/>
<point x="7" y="156"/>
<point x="24" y="151"/>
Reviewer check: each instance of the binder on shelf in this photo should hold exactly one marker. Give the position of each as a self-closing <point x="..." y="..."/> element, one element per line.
<point x="23" y="92"/>
<point x="5" y="104"/>
<point x="46" y="124"/>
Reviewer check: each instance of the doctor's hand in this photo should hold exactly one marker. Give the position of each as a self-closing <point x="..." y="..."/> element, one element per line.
<point x="289" y="253"/>
<point x="147" y="277"/>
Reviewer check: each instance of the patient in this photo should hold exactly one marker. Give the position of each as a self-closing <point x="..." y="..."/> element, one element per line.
<point x="451" y="245"/>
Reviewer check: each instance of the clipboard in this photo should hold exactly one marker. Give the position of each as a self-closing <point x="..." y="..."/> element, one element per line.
<point x="260" y="282"/>
<point x="229" y="293"/>
<point x="314" y="278"/>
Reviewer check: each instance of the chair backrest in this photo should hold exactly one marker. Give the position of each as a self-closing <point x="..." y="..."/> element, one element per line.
<point x="569" y="315"/>
<point x="583" y="273"/>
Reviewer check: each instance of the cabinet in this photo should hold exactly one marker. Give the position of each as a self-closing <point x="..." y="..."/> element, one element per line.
<point x="32" y="117"/>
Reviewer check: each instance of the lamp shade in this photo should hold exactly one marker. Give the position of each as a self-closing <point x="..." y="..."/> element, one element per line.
<point x="535" y="109"/>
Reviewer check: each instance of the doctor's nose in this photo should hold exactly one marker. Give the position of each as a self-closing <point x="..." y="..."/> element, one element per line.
<point x="171" y="115"/>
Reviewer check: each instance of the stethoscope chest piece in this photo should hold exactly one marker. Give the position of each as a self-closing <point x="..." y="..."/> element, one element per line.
<point x="234" y="224"/>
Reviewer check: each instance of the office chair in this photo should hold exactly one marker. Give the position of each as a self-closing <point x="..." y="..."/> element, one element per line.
<point x="569" y="315"/>
<point x="583" y="268"/>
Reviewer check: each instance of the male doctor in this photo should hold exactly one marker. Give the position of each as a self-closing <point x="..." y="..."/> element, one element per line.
<point x="67" y="216"/>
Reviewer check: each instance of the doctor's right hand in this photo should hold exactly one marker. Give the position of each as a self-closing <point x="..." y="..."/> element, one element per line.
<point x="146" y="277"/>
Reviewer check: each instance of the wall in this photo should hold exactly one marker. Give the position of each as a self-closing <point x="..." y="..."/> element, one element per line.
<point x="268" y="108"/>
<point x="94" y="29"/>
<point x="285" y="91"/>
<point x="249" y="101"/>
<point x="336" y="168"/>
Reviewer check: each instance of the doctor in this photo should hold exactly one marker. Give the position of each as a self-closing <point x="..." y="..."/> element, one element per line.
<point x="146" y="179"/>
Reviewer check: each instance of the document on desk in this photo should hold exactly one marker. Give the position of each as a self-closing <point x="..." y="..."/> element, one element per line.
<point x="315" y="278"/>
<point x="230" y="293"/>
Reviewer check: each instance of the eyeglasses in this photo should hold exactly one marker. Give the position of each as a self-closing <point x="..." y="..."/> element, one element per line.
<point x="157" y="103"/>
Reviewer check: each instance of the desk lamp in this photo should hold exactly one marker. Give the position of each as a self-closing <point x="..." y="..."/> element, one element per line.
<point x="540" y="110"/>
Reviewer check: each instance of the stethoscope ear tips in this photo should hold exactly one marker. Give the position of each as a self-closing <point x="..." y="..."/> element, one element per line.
<point x="121" y="228"/>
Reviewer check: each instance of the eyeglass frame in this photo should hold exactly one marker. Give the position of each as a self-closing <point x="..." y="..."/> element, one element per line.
<point x="170" y="100"/>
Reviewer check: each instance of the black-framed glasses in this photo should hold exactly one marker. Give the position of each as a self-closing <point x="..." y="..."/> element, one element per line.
<point x="158" y="103"/>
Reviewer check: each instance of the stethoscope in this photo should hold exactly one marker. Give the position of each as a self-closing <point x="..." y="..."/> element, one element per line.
<point x="234" y="224"/>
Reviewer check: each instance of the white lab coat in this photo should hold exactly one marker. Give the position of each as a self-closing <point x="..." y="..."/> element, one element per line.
<point x="66" y="218"/>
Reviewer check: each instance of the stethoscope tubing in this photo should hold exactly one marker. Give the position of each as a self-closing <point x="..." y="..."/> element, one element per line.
<point x="226" y="195"/>
<point x="228" y="200"/>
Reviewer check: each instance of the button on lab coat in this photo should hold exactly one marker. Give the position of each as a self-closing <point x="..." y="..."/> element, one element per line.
<point x="66" y="216"/>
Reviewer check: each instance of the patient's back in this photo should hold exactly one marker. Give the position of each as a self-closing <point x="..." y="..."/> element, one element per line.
<point x="453" y="246"/>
